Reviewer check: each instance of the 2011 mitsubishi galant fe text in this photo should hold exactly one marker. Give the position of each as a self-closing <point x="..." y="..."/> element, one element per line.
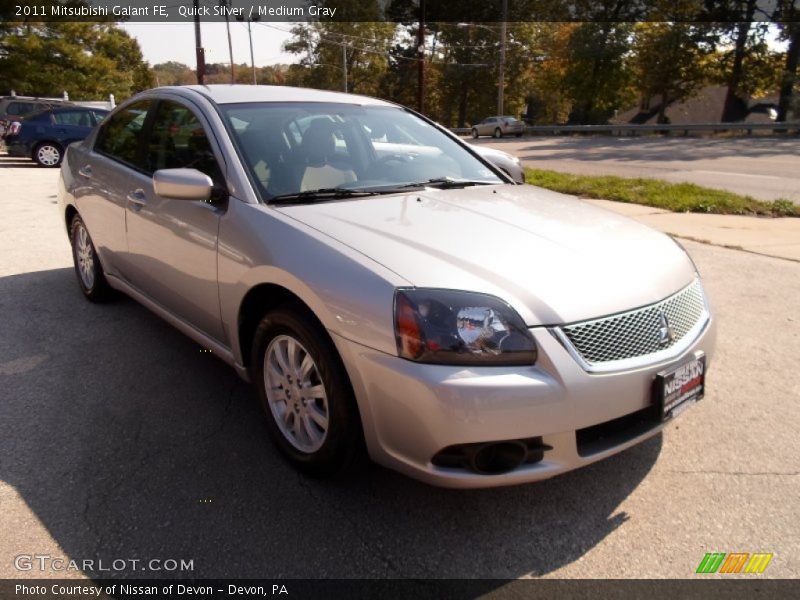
<point x="385" y="288"/>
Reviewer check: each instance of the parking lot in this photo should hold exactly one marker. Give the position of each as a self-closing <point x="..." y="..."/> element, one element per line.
<point x="121" y="439"/>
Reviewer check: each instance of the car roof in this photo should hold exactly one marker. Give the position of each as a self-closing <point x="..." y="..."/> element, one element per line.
<point x="236" y="94"/>
<point x="73" y="108"/>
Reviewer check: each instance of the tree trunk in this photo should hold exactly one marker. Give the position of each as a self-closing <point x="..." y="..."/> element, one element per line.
<point x="462" y="105"/>
<point x="732" y="110"/>
<point x="789" y="72"/>
<point x="662" y="109"/>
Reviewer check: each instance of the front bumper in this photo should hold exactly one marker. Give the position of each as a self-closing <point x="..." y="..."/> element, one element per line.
<point x="412" y="411"/>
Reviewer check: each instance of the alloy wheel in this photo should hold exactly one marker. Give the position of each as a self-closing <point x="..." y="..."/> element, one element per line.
<point x="84" y="255"/>
<point x="296" y="394"/>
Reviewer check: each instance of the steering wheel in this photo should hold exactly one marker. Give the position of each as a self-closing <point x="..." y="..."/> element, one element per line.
<point x="399" y="158"/>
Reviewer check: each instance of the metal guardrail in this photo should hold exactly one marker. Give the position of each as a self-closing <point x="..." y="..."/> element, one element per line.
<point x="629" y="129"/>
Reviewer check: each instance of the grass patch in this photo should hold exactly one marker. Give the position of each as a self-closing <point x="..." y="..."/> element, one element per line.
<point x="676" y="197"/>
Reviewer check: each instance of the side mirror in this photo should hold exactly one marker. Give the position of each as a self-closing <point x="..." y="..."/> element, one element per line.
<point x="182" y="184"/>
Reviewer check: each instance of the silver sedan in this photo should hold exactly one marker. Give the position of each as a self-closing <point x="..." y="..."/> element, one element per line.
<point x="497" y="127"/>
<point x="387" y="290"/>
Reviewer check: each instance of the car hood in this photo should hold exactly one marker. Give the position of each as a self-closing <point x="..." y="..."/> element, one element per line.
<point x="554" y="258"/>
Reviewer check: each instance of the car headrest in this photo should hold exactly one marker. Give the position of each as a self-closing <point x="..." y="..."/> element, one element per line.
<point x="318" y="143"/>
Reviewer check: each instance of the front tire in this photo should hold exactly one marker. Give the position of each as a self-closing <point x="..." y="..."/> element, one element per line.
<point x="311" y="412"/>
<point x="91" y="278"/>
<point x="498" y="133"/>
<point x="48" y="154"/>
<point x="474" y="134"/>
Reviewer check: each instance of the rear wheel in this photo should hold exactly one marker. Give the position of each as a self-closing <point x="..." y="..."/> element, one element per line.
<point x="304" y="390"/>
<point x="48" y="154"/>
<point x="518" y="135"/>
<point x="474" y="134"/>
<point x="498" y="133"/>
<point x="91" y="278"/>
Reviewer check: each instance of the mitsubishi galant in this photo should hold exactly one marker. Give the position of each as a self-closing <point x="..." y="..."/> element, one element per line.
<point x="388" y="292"/>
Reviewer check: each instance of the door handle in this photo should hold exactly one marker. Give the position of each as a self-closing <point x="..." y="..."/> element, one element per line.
<point x="86" y="171"/>
<point x="137" y="199"/>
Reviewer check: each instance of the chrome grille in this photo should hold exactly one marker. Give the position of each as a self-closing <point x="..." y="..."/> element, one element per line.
<point x="637" y="333"/>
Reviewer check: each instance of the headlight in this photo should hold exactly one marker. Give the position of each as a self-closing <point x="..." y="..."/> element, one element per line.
<point x="515" y="159"/>
<point x="460" y="328"/>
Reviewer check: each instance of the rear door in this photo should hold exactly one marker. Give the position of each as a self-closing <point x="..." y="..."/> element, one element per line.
<point x="172" y="244"/>
<point x="72" y="125"/>
<point x="102" y="177"/>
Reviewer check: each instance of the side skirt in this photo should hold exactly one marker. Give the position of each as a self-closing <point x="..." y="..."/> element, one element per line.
<point x="187" y="329"/>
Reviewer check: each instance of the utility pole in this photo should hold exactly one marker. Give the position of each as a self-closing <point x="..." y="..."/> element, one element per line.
<point x="501" y="76"/>
<point x="199" y="52"/>
<point x="227" y="3"/>
<point x="252" y="57"/>
<point x="250" y="35"/>
<point x="421" y="59"/>
<point x="344" y="66"/>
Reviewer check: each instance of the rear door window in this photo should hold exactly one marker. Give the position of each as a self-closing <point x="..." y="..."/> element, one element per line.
<point x="77" y="118"/>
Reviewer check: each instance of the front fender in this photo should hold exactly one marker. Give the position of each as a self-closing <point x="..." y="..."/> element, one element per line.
<point x="350" y="294"/>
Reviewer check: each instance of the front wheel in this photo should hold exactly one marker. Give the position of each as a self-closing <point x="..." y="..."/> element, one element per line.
<point x="48" y="154"/>
<point x="498" y="133"/>
<point x="474" y="134"/>
<point x="91" y="278"/>
<point x="311" y="412"/>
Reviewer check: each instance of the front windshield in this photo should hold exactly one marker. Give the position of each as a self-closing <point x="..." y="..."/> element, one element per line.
<point x="301" y="147"/>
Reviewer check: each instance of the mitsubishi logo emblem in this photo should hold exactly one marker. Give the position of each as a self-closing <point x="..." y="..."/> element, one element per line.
<point x="665" y="333"/>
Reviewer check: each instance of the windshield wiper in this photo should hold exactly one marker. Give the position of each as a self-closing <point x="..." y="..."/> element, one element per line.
<point x="444" y="183"/>
<point x="319" y="195"/>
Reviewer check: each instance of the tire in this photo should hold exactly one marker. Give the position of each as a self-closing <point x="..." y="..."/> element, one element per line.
<point x="319" y="432"/>
<point x="48" y="154"/>
<point x="88" y="269"/>
<point x="497" y="133"/>
<point x="474" y="134"/>
<point x="519" y="135"/>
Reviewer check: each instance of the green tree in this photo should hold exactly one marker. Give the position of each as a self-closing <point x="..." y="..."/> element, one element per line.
<point x="788" y="13"/>
<point x="598" y="77"/>
<point x="173" y="73"/>
<point x="85" y="59"/>
<point x="670" y="62"/>
<point x="548" y="96"/>
<point x="746" y="63"/>
<point x="330" y="48"/>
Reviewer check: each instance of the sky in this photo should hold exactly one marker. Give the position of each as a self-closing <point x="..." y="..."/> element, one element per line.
<point x="162" y="42"/>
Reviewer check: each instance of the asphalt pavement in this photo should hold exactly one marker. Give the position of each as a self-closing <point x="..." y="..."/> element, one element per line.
<point x="120" y="439"/>
<point x="766" y="168"/>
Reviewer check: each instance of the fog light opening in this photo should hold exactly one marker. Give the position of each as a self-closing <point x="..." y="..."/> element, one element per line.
<point x="497" y="458"/>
